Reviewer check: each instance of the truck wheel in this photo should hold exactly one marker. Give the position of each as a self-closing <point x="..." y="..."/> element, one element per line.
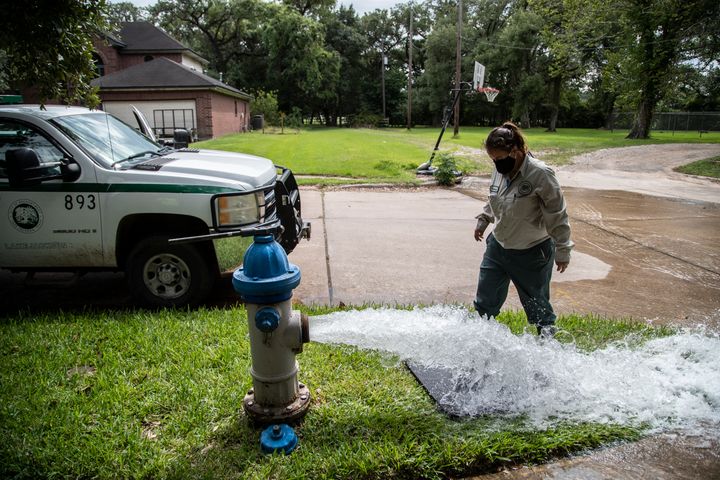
<point x="163" y="275"/>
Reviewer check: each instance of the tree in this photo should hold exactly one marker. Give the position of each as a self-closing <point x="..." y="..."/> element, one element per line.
<point x="225" y="32"/>
<point x="342" y="35"/>
<point x="436" y="82"/>
<point x="519" y="60"/>
<point x="265" y="104"/>
<point x="384" y="36"/>
<point x="305" y="7"/>
<point x="563" y="60"/>
<point x="664" y="28"/>
<point x="119" y="12"/>
<point x="506" y="47"/>
<point x="47" y="44"/>
<point x="301" y="70"/>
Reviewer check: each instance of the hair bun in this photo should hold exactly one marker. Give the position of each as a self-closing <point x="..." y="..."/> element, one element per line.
<point x="506" y="136"/>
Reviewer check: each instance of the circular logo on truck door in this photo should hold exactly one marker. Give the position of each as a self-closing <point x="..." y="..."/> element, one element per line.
<point x="25" y="216"/>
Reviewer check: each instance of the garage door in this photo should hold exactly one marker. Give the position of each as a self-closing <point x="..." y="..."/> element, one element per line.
<point x="164" y="116"/>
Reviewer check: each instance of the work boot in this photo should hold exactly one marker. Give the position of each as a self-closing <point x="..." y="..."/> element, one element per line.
<point x="546" y="331"/>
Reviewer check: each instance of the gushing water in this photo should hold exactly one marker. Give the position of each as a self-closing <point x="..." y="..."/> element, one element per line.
<point x="662" y="383"/>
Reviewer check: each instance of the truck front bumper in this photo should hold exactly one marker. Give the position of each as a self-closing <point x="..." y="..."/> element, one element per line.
<point x="284" y="220"/>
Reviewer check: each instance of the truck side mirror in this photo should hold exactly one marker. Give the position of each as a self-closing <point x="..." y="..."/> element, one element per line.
<point x="22" y="167"/>
<point x="25" y="169"/>
<point x="70" y="171"/>
<point x="181" y="138"/>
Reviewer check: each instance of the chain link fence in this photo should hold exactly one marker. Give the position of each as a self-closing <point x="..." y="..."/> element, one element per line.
<point x="701" y="122"/>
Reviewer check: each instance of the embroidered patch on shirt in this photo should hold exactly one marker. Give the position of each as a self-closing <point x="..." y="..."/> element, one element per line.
<point x="524" y="188"/>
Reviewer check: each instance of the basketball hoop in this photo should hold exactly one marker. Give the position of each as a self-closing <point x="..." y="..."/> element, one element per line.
<point x="489" y="92"/>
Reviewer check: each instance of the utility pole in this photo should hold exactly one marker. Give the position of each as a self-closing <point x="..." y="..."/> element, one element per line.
<point x="458" y="49"/>
<point x="382" y="75"/>
<point x="410" y="69"/>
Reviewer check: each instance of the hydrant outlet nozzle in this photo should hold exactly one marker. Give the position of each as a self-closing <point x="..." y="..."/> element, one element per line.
<point x="267" y="319"/>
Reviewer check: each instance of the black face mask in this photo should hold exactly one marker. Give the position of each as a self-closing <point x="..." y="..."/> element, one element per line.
<point x="505" y="165"/>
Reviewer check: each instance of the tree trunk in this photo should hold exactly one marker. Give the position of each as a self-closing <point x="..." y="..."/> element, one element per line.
<point x="609" y="113"/>
<point x="525" y="118"/>
<point x="643" y="119"/>
<point x="657" y="56"/>
<point x="554" y="102"/>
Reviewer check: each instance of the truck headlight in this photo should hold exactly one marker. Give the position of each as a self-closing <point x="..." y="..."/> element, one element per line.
<point x="235" y="210"/>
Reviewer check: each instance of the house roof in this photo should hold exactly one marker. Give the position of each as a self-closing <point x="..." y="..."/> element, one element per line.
<point x="161" y="74"/>
<point x="144" y="37"/>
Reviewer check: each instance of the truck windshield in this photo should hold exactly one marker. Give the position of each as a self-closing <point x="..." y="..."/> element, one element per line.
<point x="104" y="137"/>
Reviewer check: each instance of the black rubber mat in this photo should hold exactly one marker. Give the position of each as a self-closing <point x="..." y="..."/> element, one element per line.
<point x="437" y="382"/>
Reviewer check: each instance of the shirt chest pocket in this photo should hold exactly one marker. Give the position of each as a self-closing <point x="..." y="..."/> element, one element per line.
<point x="526" y="208"/>
<point x="501" y="205"/>
<point x="513" y="206"/>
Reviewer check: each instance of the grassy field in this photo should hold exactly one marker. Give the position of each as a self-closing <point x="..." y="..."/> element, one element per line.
<point x="159" y="395"/>
<point x="391" y="155"/>
<point x="706" y="168"/>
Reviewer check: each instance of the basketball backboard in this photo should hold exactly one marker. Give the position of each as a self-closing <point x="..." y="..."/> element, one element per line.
<point x="478" y="76"/>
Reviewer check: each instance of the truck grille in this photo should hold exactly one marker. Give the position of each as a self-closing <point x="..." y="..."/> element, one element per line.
<point x="270" y="210"/>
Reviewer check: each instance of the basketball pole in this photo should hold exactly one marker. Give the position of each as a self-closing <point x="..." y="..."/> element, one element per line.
<point x="425" y="167"/>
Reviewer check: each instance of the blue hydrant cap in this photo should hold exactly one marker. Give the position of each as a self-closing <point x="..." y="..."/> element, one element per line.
<point x="267" y="319"/>
<point x="266" y="275"/>
<point x="278" y="438"/>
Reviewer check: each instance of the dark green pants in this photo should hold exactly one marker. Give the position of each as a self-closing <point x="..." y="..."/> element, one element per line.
<point x="530" y="271"/>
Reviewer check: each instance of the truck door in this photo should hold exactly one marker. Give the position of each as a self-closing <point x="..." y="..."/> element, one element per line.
<point x="52" y="224"/>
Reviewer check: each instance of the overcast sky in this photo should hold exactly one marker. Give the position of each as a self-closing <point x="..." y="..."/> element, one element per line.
<point x="361" y="6"/>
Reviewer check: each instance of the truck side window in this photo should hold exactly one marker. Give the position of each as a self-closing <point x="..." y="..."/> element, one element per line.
<point x="17" y="135"/>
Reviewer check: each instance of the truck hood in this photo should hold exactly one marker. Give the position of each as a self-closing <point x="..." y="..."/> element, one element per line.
<point x="223" y="167"/>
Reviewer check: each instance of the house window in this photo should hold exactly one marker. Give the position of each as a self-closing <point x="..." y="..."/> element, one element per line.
<point x="99" y="64"/>
<point x="149" y="57"/>
<point x="236" y="108"/>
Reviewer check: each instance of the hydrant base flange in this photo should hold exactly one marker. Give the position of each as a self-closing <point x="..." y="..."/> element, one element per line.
<point x="264" y="414"/>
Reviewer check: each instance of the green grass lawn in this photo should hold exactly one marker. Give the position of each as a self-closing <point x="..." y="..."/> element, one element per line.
<point x="706" y="168"/>
<point x="392" y="154"/>
<point x="159" y="395"/>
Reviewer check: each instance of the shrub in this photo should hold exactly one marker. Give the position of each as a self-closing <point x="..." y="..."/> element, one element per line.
<point x="265" y="104"/>
<point x="446" y="169"/>
<point x="294" y="119"/>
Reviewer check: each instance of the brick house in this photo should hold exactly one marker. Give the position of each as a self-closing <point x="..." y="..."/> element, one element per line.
<point x="162" y="78"/>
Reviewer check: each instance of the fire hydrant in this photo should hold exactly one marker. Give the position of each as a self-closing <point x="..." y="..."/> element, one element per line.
<point x="277" y="333"/>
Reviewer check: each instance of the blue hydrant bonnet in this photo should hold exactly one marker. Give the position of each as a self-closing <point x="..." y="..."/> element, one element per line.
<point x="266" y="275"/>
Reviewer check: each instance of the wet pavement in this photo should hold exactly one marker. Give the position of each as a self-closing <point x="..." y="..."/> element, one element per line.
<point x="649" y="258"/>
<point x="646" y="169"/>
<point x="668" y="456"/>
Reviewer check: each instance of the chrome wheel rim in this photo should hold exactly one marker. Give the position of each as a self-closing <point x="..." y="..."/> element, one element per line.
<point x="166" y="276"/>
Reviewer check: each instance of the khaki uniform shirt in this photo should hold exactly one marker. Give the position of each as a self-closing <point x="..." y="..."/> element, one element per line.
<point x="528" y="209"/>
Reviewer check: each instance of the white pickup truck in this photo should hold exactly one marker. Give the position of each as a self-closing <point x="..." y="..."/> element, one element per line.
<point x="82" y="191"/>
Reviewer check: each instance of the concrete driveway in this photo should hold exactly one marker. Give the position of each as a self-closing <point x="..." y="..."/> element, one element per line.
<point x="653" y="258"/>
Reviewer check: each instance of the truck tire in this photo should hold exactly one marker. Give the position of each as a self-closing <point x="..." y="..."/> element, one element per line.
<point x="163" y="275"/>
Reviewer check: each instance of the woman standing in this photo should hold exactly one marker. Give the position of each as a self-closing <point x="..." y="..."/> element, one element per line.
<point x="527" y="206"/>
